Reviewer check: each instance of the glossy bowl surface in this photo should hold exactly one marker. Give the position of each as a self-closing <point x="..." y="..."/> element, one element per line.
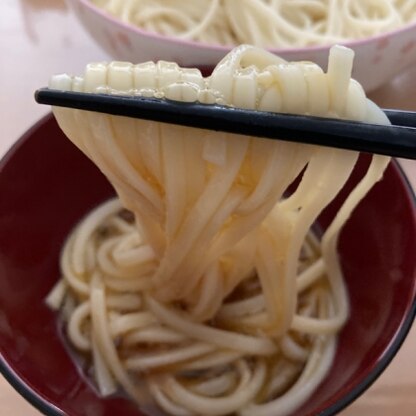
<point x="377" y="59"/>
<point x="47" y="185"/>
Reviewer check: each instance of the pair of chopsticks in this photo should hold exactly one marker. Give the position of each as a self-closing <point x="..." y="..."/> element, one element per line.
<point x="397" y="140"/>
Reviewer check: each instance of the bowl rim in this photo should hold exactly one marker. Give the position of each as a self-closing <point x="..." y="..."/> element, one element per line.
<point x="49" y="409"/>
<point x="225" y="49"/>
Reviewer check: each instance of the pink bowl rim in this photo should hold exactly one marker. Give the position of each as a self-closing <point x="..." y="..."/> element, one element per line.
<point x="224" y="49"/>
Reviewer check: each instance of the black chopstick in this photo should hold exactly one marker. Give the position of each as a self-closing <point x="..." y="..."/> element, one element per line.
<point x="401" y="118"/>
<point x="398" y="140"/>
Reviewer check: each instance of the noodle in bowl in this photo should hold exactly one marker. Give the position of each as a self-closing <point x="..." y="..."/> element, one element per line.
<point x="39" y="210"/>
<point x="378" y="57"/>
<point x="380" y="275"/>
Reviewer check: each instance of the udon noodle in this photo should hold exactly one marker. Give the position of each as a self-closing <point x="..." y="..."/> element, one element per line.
<point x="215" y="293"/>
<point x="266" y="23"/>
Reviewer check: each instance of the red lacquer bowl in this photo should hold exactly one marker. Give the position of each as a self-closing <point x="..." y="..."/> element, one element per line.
<point x="47" y="185"/>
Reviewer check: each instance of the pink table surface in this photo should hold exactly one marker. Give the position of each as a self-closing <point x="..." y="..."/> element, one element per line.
<point x="41" y="37"/>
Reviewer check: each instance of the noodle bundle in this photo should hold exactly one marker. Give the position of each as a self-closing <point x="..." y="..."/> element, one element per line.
<point x="265" y="23"/>
<point x="215" y="293"/>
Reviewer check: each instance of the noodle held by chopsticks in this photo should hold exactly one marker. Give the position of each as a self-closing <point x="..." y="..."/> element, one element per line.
<point x="218" y="296"/>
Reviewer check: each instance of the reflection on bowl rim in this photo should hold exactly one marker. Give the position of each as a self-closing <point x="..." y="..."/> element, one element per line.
<point x="223" y="48"/>
<point x="49" y="409"/>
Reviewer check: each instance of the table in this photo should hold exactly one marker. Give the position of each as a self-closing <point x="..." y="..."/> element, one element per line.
<point x="42" y="37"/>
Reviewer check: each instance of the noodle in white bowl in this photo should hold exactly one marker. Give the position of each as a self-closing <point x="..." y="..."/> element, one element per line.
<point x="383" y="49"/>
<point x="264" y="23"/>
<point x="218" y="294"/>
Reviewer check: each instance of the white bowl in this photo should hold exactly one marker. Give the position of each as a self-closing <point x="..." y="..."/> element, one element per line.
<point x="378" y="59"/>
